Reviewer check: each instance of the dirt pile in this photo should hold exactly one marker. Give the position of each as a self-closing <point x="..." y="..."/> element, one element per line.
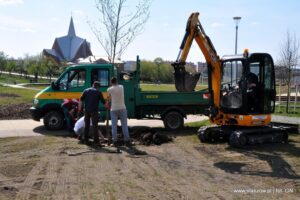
<point x="19" y="111"/>
<point x="148" y="136"/>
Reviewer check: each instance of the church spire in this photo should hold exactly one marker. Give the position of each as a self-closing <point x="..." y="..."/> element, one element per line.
<point x="71" y="31"/>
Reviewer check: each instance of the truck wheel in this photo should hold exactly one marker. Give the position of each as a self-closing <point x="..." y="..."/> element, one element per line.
<point x="54" y="120"/>
<point x="173" y="120"/>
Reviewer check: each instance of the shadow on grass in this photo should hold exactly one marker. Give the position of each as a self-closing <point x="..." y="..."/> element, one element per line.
<point x="60" y="133"/>
<point x="270" y="153"/>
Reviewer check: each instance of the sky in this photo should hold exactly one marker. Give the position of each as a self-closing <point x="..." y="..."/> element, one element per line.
<point x="29" y="26"/>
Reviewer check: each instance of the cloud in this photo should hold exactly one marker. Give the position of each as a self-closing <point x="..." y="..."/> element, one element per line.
<point x="78" y="12"/>
<point x="54" y="19"/>
<point x="255" y="23"/>
<point x="216" y="24"/>
<point x="10" y="21"/>
<point x="5" y="28"/>
<point x="10" y="2"/>
<point x="29" y="30"/>
<point x="12" y="24"/>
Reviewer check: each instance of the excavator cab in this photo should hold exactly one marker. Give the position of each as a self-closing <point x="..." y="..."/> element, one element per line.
<point x="247" y="98"/>
<point x="247" y="84"/>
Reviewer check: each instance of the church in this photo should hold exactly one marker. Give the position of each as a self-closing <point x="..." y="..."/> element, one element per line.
<point x="69" y="48"/>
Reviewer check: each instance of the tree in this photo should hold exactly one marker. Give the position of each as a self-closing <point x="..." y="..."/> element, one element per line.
<point x="36" y="66"/>
<point x="3" y="61"/>
<point x="50" y="66"/>
<point x="20" y="66"/>
<point x="119" y="25"/>
<point x="289" y="59"/>
<point x="10" y="66"/>
<point x="148" y="71"/>
<point x="26" y="62"/>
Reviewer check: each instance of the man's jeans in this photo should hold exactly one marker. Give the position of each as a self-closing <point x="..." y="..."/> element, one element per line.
<point x="87" y="118"/>
<point x="122" y="115"/>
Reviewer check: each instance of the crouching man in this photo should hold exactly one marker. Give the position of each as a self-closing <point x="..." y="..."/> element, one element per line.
<point x="79" y="129"/>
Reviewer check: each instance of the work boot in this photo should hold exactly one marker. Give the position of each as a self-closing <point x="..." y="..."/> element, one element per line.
<point x="115" y="144"/>
<point x="82" y="139"/>
<point x="97" y="144"/>
<point x="128" y="144"/>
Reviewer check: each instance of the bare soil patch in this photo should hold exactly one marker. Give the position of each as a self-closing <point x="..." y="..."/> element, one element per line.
<point x="15" y="111"/>
<point x="39" y="167"/>
<point x="9" y="95"/>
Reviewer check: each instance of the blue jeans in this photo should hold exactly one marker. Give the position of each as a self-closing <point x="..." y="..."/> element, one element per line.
<point x="122" y="115"/>
<point x="70" y="122"/>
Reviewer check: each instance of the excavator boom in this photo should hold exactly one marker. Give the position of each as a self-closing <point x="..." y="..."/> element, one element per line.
<point x="186" y="82"/>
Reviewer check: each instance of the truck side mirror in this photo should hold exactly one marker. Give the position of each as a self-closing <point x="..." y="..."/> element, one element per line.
<point x="125" y="76"/>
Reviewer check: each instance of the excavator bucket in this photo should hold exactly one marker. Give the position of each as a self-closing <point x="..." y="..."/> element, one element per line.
<point x="184" y="81"/>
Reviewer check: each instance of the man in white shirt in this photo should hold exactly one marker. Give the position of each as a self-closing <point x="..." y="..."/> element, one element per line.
<point x="118" y="111"/>
<point x="79" y="128"/>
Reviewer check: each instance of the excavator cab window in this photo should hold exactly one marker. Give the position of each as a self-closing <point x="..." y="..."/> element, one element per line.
<point x="262" y="66"/>
<point x="231" y="74"/>
<point x="248" y="85"/>
<point x="231" y="93"/>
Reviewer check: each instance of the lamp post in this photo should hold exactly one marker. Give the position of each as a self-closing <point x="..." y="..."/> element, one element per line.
<point x="158" y="62"/>
<point x="237" y="20"/>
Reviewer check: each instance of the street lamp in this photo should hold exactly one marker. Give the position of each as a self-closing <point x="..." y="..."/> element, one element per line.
<point x="237" y="20"/>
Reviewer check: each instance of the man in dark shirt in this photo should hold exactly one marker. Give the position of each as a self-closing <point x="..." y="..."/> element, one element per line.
<point x="91" y="97"/>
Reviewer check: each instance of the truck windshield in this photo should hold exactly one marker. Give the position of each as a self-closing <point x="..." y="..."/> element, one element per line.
<point x="72" y="79"/>
<point x="101" y="75"/>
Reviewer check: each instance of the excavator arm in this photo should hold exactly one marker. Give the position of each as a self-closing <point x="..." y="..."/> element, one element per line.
<point x="184" y="81"/>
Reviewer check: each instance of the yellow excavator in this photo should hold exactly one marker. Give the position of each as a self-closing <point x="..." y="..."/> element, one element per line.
<point x="241" y="91"/>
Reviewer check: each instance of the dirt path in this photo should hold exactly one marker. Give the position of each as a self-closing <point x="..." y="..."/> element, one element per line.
<point x="40" y="168"/>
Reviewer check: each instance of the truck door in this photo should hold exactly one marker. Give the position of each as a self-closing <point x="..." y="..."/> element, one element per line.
<point x="129" y="84"/>
<point x="71" y="84"/>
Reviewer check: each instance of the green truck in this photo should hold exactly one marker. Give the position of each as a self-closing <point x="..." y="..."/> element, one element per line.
<point x="171" y="106"/>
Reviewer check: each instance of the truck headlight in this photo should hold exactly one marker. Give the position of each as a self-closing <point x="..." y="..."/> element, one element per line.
<point x="35" y="102"/>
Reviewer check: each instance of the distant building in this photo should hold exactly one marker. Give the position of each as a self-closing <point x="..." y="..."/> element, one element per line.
<point x="69" y="48"/>
<point x="100" y="60"/>
<point x="130" y="66"/>
<point x="201" y="67"/>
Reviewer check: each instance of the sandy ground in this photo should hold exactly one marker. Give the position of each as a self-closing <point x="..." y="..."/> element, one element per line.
<point x="29" y="127"/>
<point x="40" y="168"/>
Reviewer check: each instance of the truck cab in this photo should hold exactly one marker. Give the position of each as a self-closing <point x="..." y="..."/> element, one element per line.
<point x="69" y="86"/>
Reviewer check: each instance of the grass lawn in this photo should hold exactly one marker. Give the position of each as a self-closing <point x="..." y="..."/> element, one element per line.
<point x="14" y="79"/>
<point x="282" y="109"/>
<point x="197" y="124"/>
<point x="41" y="87"/>
<point x="9" y="95"/>
<point x="165" y="87"/>
<point x="291" y="113"/>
